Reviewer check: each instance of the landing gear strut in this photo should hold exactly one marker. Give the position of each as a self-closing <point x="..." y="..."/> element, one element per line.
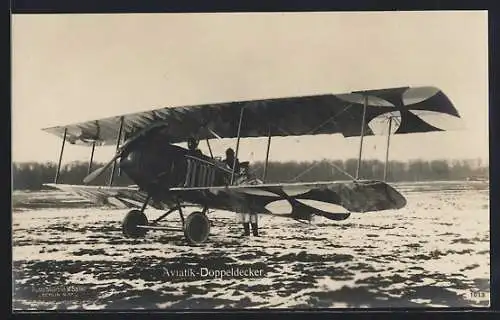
<point x="196" y="227"/>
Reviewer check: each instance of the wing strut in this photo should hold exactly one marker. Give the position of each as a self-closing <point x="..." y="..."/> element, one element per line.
<point x="267" y="155"/>
<point x="91" y="158"/>
<point x="362" y="136"/>
<point x="210" y="149"/>
<point x="118" y="138"/>
<point x="237" y="145"/>
<point x="387" y="149"/>
<point x="60" y="156"/>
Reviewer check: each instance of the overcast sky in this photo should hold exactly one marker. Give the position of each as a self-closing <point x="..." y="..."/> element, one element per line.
<point x="71" y="68"/>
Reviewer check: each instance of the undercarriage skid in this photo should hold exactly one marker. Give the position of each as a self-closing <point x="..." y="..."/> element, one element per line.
<point x="196" y="227"/>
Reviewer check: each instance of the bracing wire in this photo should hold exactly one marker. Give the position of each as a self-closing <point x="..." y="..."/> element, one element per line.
<point x="314" y="165"/>
<point x="305" y="171"/>
<point x="341" y="170"/>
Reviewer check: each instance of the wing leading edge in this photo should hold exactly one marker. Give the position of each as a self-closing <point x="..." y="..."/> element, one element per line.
<point x="292" y="116"/>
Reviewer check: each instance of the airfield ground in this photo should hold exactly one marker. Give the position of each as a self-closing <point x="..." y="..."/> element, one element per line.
<point x="68" y="254"/>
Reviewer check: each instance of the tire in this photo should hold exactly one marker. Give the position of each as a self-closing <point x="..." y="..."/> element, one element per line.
<point x="133" y="219"/>
<point x="197" y="228"/>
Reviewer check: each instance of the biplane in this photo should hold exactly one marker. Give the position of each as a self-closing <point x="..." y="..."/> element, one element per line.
<point x="170" y="177"/>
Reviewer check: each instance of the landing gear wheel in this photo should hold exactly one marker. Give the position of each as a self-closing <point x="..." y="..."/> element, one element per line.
<point x="197" y="228"/>
<point x="132" y="220"/>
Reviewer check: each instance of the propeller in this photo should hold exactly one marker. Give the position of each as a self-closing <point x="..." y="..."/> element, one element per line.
<point x="214" y="133"/>
<point x="96" y="173"/>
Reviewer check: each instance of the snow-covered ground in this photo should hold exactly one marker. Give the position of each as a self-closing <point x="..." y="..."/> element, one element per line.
<point x="434" y="252"/>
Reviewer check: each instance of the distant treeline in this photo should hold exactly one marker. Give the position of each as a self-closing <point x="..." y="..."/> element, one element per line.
<point x="31" y="175"/>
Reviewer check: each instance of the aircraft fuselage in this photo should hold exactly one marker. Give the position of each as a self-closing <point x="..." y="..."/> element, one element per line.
<point x="156" y="165"/>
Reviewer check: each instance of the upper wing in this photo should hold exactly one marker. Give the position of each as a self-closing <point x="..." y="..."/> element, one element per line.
<point x="292" y="116"/>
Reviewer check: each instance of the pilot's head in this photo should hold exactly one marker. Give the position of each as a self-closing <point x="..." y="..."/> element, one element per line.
<point x="229" y="153"/>
<point x="192" y="143"/>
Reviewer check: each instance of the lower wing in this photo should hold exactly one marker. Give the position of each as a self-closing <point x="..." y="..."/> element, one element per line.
<point x="299" y="200"/>
<point x="130" y="197"/>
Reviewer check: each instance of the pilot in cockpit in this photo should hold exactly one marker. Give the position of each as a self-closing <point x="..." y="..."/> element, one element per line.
<point x="193" y="147"/>
<point x="231" y="160"/>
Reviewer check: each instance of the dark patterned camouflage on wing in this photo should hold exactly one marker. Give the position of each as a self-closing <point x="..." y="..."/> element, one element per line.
<point x="292" y="116"/>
